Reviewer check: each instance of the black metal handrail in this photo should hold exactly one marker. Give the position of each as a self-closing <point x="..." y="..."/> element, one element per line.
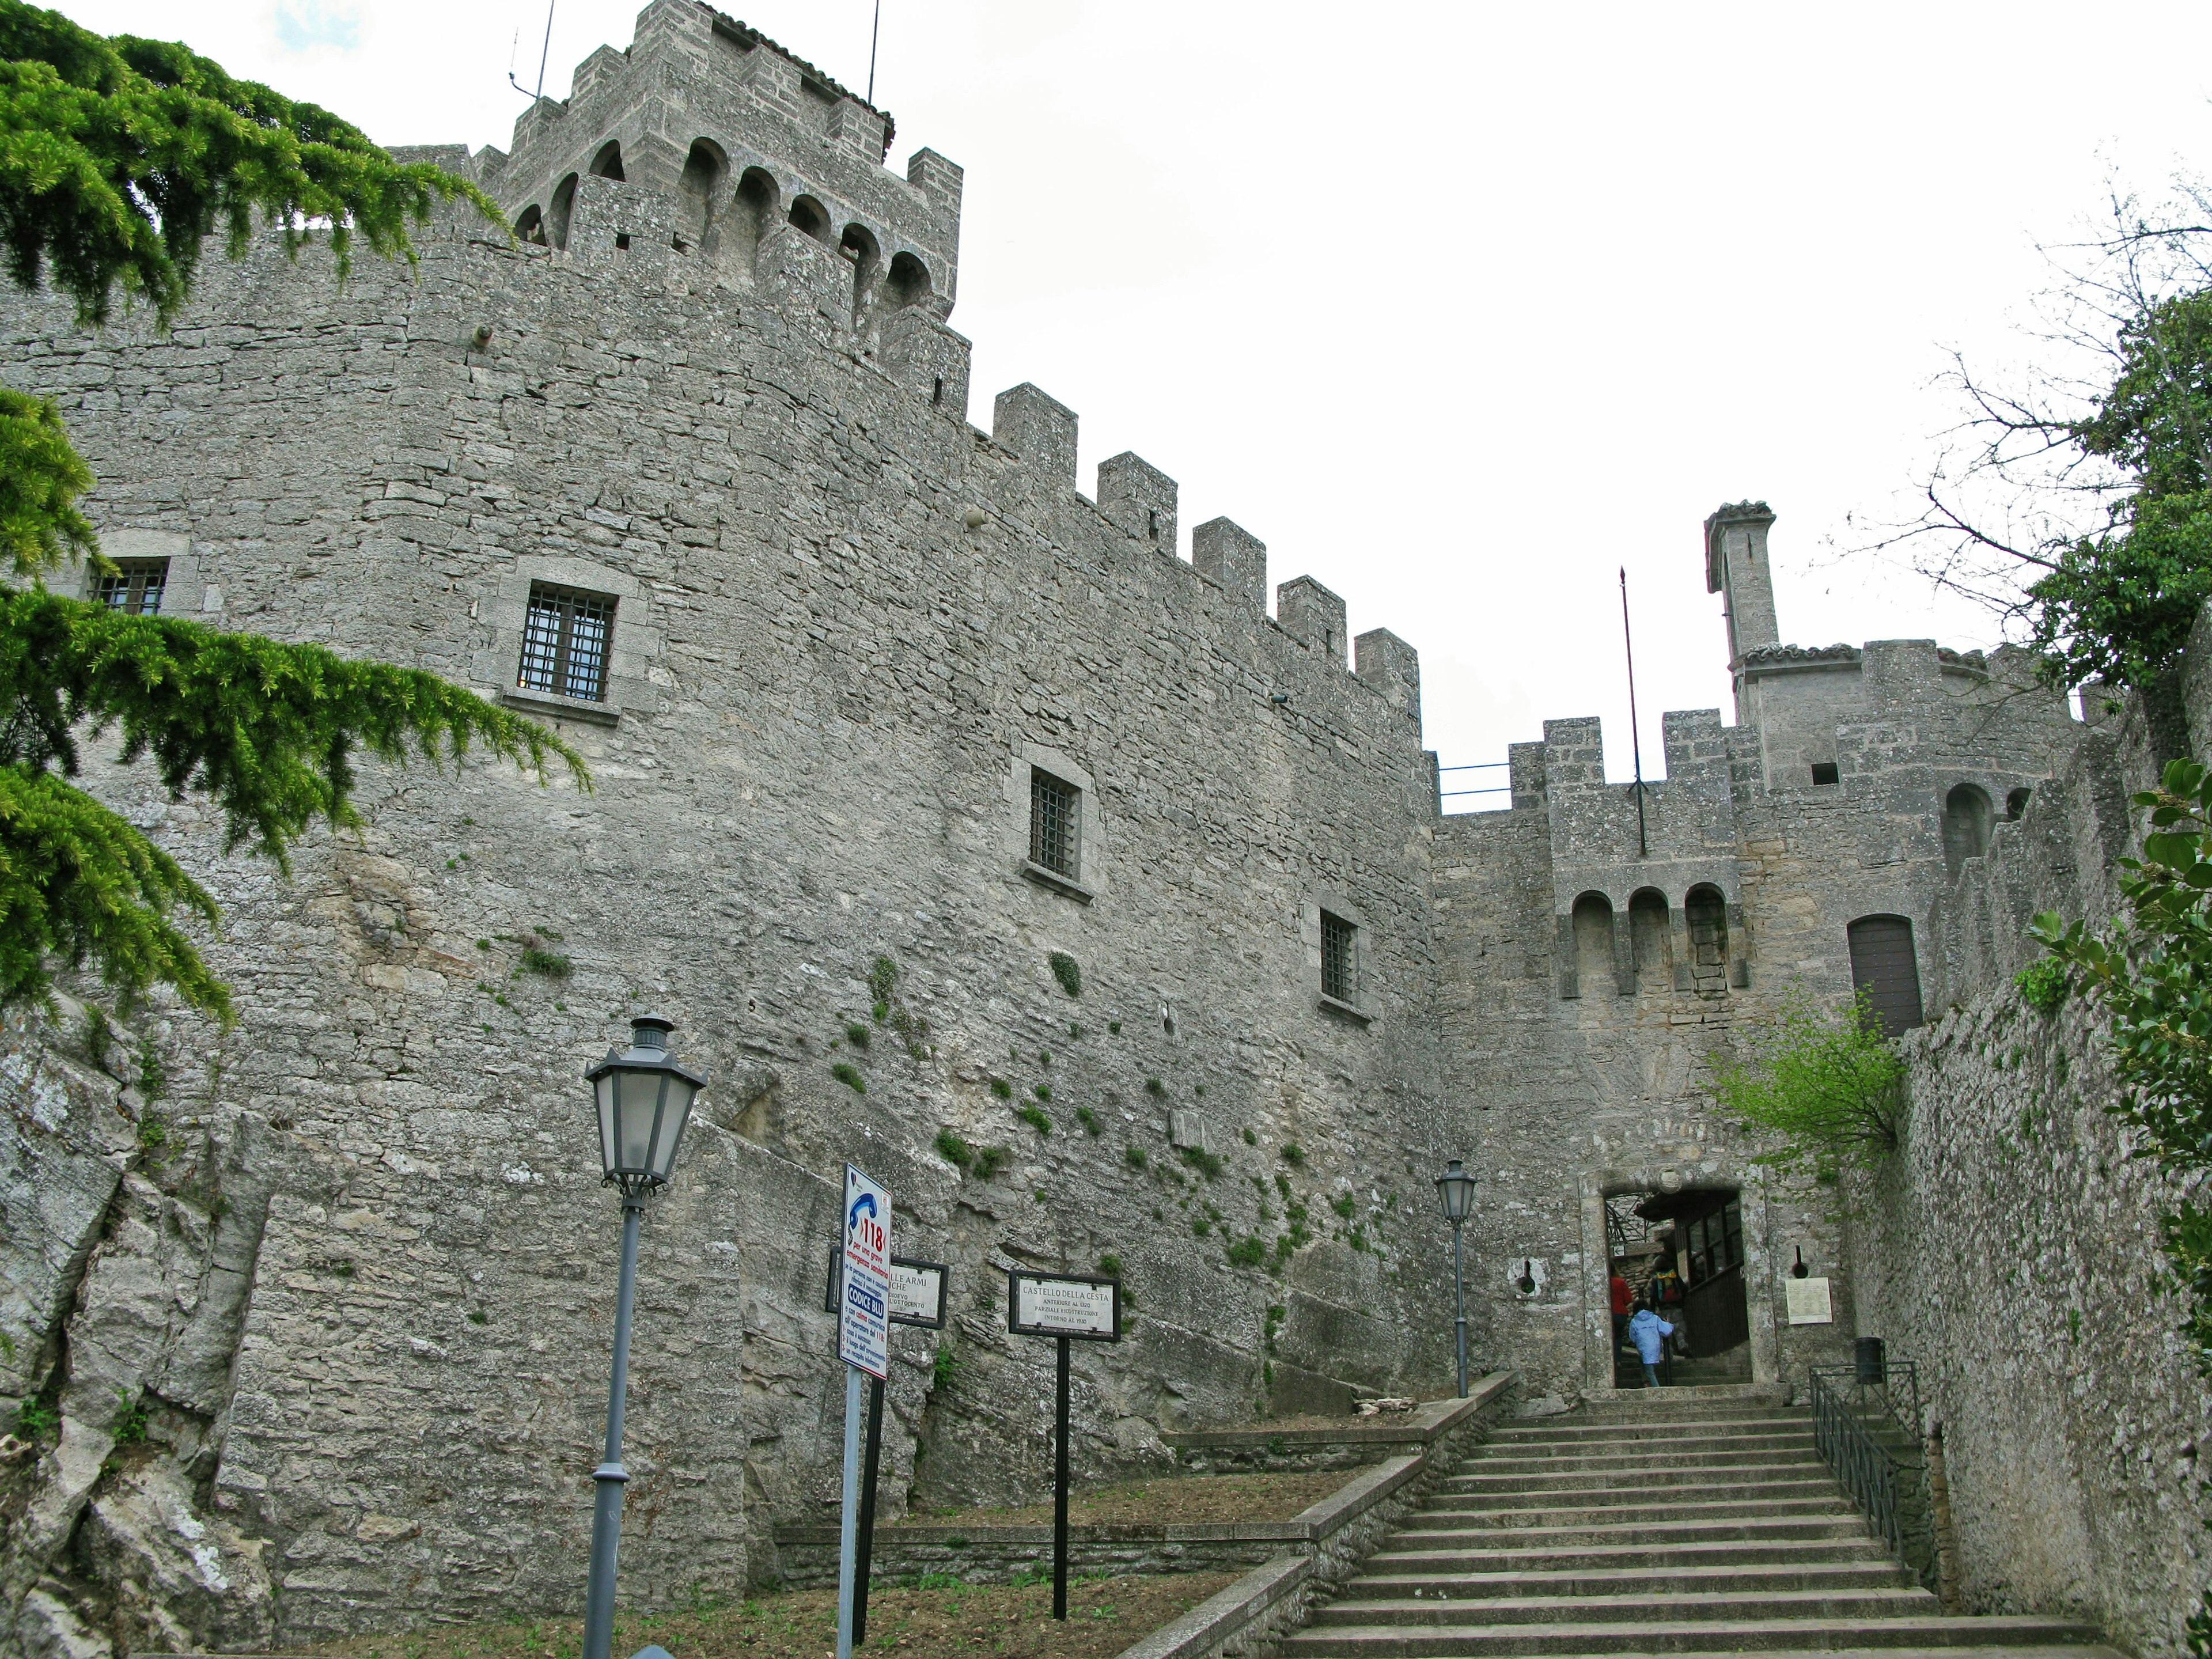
<point x="1866" y="1425"/>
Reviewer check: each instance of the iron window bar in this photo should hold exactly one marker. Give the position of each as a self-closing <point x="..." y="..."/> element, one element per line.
<point x="1869" y="1435"/>
<point x="1336" y="969"/>
<point x="136" y="587"/>
<point x="1051" y="822"/>
<point x="564" y="642"/>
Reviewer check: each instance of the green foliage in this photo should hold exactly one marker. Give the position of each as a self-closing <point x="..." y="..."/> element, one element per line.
<point x="954" y="1150"/>
<point x="1042" y="1090"/>
<point x="1343" y="1205"/>
<point x="2042" y="985"/>
<point x="941" y="1372"/>
<point x="1831" y="1086"/>
<point x="1292" y="1154"/>
<point x="1113" y="1028"/>
<point x="130" y="1421"/>
<point x="2152" y="975"/>
<point x="1247" y="1252"/>
<point x="40" y="478"/>
<point x="36" y="1417"/>
<point x="1110" y="1267"/>
<point x="1065" y="969"/>
<point x="883" y="980"/>
<point x="269" y="730"/>
<point x="1207" y="1164"/>
<point x="850" y="1077"/>
<point x="1088" y="1119"/>
<point x="1134" y="1156"/>
<point x="1000" y="1087"/>
<point x="989" y="1160"/>
<point x="547" y="965"/>
<point x="1251" y="1139"/>
<point x="1154" y="1087"/>
<point x="1200" y="1226"/>
<point x="2118" y="604"/>
<point x="857" y="1035"/>
<point x="118" y="158"/>
<point x="152" y="1135"/>
<point x="1034" y="1117"/>
<point x="153" y="1076"/>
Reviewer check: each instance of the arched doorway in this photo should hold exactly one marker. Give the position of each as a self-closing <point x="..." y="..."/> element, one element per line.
<point x="1683" y="1253"/>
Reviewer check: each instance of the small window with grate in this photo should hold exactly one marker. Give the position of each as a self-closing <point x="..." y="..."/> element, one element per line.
<point x="565" y="641"/>
<point x="135" y="586"/>
<point x="1054" y="804"/>
<point x="1339" y="977"/>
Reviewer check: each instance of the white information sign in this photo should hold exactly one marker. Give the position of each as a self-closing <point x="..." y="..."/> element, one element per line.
<point x="917" y="1293"/>
<point x="1807" y="1301"/>
<point x="1054" y="1305"/>
<point x="864" y="1315"/>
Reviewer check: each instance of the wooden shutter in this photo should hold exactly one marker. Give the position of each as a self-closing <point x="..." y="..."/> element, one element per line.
<point x="1884" y="970"/>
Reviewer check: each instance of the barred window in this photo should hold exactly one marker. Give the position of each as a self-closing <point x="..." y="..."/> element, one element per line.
<point x="565" y="641"/>
<point x="1053" y="822"/>
<point x="1336" y="959"/>
<point x="135" y="586"/>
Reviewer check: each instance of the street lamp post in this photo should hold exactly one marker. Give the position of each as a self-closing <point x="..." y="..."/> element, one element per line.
<point x="1456" y="1194"/>
<point x="644" y="1097"/>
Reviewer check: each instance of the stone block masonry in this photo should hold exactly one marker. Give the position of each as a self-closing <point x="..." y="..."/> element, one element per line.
<point x="315" y="1311"/>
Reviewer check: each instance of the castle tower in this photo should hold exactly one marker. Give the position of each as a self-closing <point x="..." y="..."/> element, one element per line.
<point x="706" y="144"/>
<point x="1735" y="567"/>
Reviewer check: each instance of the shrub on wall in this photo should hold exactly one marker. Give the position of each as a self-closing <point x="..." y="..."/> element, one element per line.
<point x="1830" y="1084"/>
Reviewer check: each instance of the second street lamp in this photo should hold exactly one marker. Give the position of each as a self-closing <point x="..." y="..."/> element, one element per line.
<point x="644" y="1098"/>
<point x="1455" y="1197"/>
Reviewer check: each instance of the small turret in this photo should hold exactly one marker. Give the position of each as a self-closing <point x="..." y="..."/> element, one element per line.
<point x="1735" y="567"/>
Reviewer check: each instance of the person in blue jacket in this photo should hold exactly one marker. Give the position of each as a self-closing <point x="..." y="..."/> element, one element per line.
<point x="1648" y="1331"/>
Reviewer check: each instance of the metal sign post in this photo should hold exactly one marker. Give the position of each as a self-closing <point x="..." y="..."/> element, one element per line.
<point x="1070" y="1308"/>
<point x="917" y="1297"/>
<point x="863" y="1344"/>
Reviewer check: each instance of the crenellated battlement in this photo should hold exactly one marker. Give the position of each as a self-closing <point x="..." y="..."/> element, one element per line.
<point x="704" y="140"/>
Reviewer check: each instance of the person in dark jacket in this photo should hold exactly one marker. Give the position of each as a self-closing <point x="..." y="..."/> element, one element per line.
<point x="1650" y="1333"/>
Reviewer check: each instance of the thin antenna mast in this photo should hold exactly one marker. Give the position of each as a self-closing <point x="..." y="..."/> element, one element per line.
<point x="874" y="30"/>
<point x="544" y="53"/>
<point x="1635" y="738"/>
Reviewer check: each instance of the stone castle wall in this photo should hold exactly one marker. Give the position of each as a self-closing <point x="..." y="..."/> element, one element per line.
<point x="828" y="691"/>
<point x="2011" y="1250"/>
<point x="324" y="1300"/>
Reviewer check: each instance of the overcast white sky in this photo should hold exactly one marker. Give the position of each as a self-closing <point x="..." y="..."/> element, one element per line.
<point x="1459" y="307"/>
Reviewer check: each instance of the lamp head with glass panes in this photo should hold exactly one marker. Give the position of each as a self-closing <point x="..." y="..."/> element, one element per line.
<point x="1456" y="1192"/>
<point x="645" y="1096"/>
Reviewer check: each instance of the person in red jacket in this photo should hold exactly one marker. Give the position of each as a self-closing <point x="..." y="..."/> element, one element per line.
<point x="1623" y="1298"/>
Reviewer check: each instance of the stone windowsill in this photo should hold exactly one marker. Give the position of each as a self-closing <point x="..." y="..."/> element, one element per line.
<point x="1330" y="1004"/>
<point x="1056" y="882"/>
<point x="555" y="707"/>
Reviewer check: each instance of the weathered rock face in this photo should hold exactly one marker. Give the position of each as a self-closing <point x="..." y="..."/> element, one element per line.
<point x="312" y="1315"/>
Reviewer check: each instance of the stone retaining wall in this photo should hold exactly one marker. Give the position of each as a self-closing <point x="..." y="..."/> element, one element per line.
<point x="1275" y="1598"/>
<point x="1335" y="1533"/>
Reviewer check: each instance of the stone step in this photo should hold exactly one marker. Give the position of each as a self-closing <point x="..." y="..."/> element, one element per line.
<point x="1443" y="1548"/>
<point x="1636" y="1458"/>
<point x="1826" y="1507"/>
<point x="1872" y="1601"/>
<point x="1389" y="1564"/>
<point x="1942" y="1634"/>
<point x="1507" y="1508"/>
<point x="1733" y="1429"/>
<point x="1657" y="1576"/>
<point x="1545" y="1476"/>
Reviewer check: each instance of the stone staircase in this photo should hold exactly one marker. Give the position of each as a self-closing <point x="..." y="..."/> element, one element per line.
<point x="1675" y="1521"/>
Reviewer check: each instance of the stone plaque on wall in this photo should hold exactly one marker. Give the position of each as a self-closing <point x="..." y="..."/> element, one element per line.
<point x="1808" y="1302"/>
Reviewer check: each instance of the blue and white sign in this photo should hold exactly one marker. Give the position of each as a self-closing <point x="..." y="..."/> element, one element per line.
<point x="864" y="1317"/>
